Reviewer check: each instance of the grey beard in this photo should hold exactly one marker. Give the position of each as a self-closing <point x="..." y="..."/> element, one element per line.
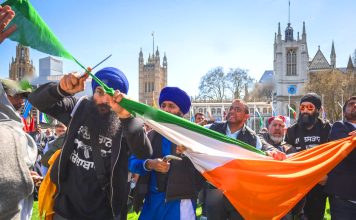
<point x="276" y="140"/>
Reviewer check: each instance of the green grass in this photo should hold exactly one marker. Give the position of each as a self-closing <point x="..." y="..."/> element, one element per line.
<point x="35" y="214"/>
<point x="133" y="216"/>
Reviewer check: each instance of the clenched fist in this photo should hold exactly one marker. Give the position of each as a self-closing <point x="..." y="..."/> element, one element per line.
<point x="157" y="165"/>
<point x="115" y="106"/>
<point x="6" y="15"/>
<point x="72" y="83"/>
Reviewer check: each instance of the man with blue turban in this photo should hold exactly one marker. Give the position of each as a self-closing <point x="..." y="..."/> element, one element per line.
<point x="91" y="173"/>
<point x="169" y="188"/>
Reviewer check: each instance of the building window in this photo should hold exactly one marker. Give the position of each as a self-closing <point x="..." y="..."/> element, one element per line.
<point x="264" y="110"/>
<point x="200" y="110"/>
<point x="291" y="62"/>
<point x="213" y="111"/>
<point x="218" y="111"/>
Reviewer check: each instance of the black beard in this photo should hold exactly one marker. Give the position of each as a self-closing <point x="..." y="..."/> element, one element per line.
<point x="107" y="123"/>
<point x="307" y="120"/>
<point x="350" y="116"/>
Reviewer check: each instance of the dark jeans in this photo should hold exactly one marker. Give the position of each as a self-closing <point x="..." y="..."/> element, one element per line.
<point x="315" y="204"/>
<point x="342" y="209"/>
<point x="218" y="206"/>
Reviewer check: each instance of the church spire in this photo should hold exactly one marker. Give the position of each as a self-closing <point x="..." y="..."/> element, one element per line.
<point x="304" y="33"/>
<point x="333" y="56"/>
<point x="140" y="57"/>
<point x="165" y="60"/>
<point x="289" y="30"/>
<point x="153" y="44"/>
<point x="288" y="12"/>
<point x="350" y="65"/>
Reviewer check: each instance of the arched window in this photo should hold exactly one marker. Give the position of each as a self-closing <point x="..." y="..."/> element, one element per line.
<point x="291" y="62"/>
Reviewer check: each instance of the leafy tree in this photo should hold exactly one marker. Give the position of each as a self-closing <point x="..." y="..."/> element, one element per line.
<point x="237" y="79"/>
<point x="262" y="92"/>
<point x="334" y="86"/>
<point x="213" y="85"/>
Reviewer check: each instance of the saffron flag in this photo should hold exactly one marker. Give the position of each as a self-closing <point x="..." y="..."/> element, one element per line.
<point x="258" y="186"/>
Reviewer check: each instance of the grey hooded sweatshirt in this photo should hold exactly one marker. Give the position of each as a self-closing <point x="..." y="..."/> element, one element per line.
<point x="18" y="153"/>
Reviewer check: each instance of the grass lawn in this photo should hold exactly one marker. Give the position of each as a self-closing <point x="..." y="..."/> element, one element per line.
<point x="134" y="216"/>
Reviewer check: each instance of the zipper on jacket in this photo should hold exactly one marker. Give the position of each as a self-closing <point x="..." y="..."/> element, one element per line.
<point x="112" y="174"/>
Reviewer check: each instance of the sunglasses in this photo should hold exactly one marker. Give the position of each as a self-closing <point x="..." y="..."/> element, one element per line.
<point x="307" y="107"/>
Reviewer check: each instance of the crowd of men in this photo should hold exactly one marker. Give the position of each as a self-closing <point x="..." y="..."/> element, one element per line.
<point x="100" y="142"/>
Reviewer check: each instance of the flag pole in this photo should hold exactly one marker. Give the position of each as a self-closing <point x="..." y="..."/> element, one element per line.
<point x="254" y="115"/>
<point x="289" y="106"/>
<point x="272" y="104"/>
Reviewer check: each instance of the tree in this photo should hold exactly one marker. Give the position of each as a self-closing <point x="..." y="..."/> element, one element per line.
<point x="262" y="92"/>
<point x="335" y="87"/>
<point x="237" y="79"/>
<point x="213" y="85"/>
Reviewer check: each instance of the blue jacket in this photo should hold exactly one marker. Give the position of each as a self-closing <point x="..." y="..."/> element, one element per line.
<point x="342" y="179"/>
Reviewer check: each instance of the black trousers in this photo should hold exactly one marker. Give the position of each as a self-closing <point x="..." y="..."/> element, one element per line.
<point x="218" y="206"/>
<point x="315" y="203"/>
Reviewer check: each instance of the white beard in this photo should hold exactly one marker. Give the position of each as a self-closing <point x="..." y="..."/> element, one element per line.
<point x="276" y="140"/>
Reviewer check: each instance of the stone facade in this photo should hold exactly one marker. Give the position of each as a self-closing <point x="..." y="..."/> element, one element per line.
<point x="21" y="67"/>
<point x="152" y="77"/>
<point x="219" y="110"/>
<point x="290" y="66"/>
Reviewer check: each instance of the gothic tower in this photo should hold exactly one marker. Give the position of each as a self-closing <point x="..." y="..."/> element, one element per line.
<point x="290" y="67"/>
<point x="332" y="56"/>
<point x="21" y="66"/>
<point x="152" y="77"/>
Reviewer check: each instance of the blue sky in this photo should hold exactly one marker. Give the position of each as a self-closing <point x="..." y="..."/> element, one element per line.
<point x="197" y="35"/>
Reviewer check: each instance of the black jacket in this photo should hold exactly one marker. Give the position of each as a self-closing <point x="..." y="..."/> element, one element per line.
<point x="283" y="146"/>
<point x="246" y="135"/>
<point x="342" y="179"/>
<point x="50" y="99"/>
<point x="182" y="181"/>
<point x="302" y="138"/>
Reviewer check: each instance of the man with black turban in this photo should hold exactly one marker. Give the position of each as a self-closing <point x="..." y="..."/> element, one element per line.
<point x="92" y="170"/>
<point x="308" y="132"/>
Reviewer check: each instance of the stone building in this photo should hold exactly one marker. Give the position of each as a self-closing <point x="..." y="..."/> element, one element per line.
<point x="152" y="77"/>
<point x="219" y="110"/>
<point x="21" y="66"/>
<point x="290" y="66"/>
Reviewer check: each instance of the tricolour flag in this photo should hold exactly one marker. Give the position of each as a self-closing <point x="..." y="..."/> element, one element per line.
<point x="293" y="112"/>
<point x="44" y="118"/>
<point x="259" y="116"/>
<point x="258" y="186"/>
<point x="274" y="113"/>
